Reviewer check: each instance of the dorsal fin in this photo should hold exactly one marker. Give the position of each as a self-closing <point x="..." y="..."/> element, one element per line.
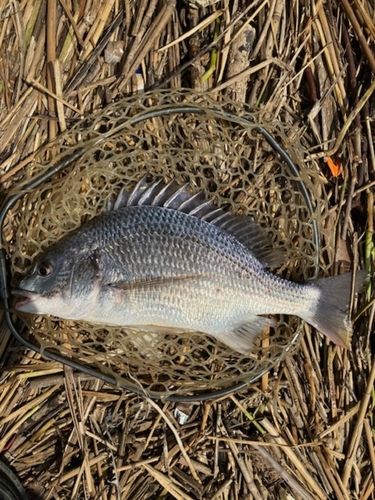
<point x="166" y="192"/>
<point x="176" y="197"/>
<point x="137" y="192"/>
<point x="150" y="193"/>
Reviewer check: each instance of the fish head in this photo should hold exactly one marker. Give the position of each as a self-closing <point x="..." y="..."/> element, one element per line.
<point x="65" y="285"/>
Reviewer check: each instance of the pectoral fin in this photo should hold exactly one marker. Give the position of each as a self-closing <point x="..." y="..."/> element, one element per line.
<point x="157" y="282"/>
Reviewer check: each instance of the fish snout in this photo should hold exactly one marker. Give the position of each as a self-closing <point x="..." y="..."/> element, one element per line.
<point x="27" y="296"/>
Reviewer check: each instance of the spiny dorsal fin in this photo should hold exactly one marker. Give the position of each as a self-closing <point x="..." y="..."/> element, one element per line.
<point x="176" y="197"/>
<point x="137" y="192"/>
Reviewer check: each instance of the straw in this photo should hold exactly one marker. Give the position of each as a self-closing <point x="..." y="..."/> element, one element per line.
<point x="305" y="429"/>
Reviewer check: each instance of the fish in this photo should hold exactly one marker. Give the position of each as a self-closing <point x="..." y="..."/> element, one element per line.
<point x="159" y="257"/>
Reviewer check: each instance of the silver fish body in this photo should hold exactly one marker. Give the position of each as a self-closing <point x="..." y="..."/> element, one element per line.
<point x="162" y="258"/>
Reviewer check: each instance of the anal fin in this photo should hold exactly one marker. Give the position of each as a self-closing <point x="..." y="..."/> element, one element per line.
<point x="242" y="337"/>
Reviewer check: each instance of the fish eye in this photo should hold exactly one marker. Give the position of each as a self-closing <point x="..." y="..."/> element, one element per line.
<point x="44" y="269"/>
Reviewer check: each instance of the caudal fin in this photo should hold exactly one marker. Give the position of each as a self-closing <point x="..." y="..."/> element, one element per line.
<point x="330" y="316"/>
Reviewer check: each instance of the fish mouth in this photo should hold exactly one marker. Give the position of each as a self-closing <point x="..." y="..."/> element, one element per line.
<point x="27" y="296"/>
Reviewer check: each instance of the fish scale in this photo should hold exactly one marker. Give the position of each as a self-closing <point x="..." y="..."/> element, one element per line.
<point x="144" y="264"/>
<point x="151" y="230"/>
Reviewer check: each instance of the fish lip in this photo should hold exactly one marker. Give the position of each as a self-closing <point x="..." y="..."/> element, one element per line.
<point x="28" y="294"/>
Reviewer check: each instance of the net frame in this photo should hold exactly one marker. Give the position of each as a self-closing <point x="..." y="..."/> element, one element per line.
<point x="164" y="109"/>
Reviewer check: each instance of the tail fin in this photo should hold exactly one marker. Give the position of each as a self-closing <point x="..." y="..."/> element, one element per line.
<point x="330" y="316"/>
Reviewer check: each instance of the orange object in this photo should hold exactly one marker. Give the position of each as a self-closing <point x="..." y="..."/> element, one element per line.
<point x="335" y="166"/>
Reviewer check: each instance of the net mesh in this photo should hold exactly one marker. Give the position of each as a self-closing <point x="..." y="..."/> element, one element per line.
<point x="207" y="145"/>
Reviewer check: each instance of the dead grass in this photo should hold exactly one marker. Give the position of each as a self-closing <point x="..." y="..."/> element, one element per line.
<point x="305" y="430"/>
